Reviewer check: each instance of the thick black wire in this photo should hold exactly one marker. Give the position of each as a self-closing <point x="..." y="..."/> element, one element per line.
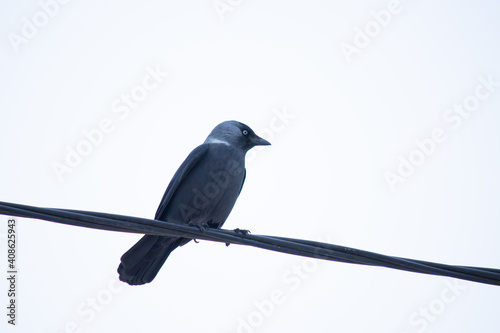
<point x="306" y="248"/>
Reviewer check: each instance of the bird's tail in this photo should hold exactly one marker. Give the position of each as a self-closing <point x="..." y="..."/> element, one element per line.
<point x="141" y="263"/>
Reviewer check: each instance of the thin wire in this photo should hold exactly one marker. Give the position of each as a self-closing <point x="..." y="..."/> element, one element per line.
<point x="305" y="248"/>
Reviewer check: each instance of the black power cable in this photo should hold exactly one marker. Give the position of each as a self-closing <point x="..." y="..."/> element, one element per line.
<point x="305" y="248"/>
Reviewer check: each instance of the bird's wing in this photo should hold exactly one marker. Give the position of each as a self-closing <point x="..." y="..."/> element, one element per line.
<point x="181" y="173"/>
<point x="243" y="181"/>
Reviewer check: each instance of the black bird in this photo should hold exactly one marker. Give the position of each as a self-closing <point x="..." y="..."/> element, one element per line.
<point x="202" y="193"/>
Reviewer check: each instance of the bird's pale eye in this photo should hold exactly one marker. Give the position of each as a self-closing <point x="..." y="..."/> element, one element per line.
<point x="245" y="132"/>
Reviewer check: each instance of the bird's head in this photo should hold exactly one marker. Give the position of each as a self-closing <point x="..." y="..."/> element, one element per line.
<point x="237" y="135"/>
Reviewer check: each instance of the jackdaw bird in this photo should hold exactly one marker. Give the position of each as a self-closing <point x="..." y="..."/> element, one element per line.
<point x="202" y="193"/>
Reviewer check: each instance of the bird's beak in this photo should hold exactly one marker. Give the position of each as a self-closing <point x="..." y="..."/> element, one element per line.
<point x="258" y="141"/>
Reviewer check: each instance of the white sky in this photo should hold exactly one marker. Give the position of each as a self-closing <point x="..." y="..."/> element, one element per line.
<point x="323" y="178"/>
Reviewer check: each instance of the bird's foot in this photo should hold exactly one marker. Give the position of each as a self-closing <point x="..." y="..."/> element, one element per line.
<point x="242" y="231"/>
<point x="201" y="226"/>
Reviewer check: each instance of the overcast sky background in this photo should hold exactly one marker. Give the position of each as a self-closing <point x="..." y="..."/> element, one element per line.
<point x="338" y="124"/>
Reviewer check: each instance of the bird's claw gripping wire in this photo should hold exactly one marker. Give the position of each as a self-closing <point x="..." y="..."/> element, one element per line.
<point x="201" y="226"/>
<point x="243" y="232"/>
